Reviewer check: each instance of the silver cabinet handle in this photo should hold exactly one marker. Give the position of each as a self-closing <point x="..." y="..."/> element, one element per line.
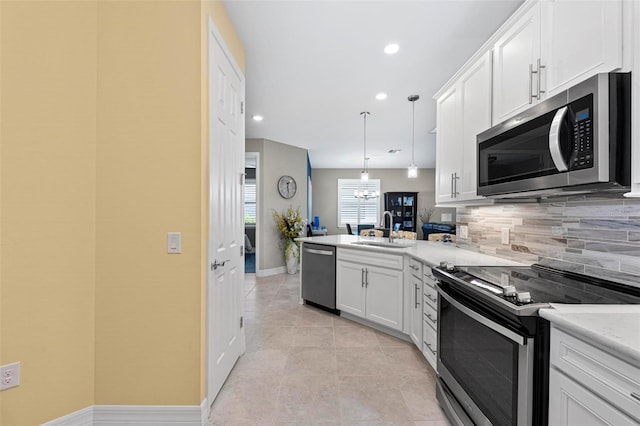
<point x="416" y="296"/>
<point x="531" y="84"/>
<point x="362" y="277"/>
<point x="366" y="277"/>
<point x="455" y="184"/>
<point x="429" y="346"/>
<point x="431" y="318"/>
<point x="451" y="195"/>
<point x="540" y="66"/>
<point x="554" y="140"/>
<point x="433" y="299"/>
<point x="414" y="267"/>
<point x="635" y="396"/>
<point x="215" y="264"/>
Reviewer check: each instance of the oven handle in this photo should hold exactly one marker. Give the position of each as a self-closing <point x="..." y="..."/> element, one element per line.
<point x="483" y="320"/>
<point x="554" y="140"/>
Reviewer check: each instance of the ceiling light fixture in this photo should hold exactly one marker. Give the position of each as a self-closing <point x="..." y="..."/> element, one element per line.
<point x="392" y="48"/>
<point x="381" y="96"/>
<point x="412" y="171"/>
<point x="257" y="118"/>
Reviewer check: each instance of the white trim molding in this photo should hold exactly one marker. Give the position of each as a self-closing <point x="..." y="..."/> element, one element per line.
<point x="205" y="413"/>
<point x="272" y="271"/>
<point x="143" y="415"/>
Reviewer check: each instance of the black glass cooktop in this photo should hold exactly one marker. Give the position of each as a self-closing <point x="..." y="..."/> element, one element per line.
<point x="547" y="285"/>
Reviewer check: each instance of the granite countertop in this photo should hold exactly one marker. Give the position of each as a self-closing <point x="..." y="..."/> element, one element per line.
<point x="616" y="327"/>
<point x="429" y="252"/>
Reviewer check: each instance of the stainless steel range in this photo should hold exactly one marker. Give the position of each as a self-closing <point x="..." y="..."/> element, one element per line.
<point x="493" y="361"/>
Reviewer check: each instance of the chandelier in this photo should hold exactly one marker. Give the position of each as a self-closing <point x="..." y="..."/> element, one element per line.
<point x="365" y="194"/>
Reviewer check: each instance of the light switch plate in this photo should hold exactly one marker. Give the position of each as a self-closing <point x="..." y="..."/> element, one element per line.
<point x="174" y="242"/>
<point x="505" y="236"/>
<point x="464" y="232"/>
<point x="445" y="217"/>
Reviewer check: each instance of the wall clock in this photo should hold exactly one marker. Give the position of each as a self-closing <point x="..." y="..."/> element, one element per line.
<point x="287" y="187"/>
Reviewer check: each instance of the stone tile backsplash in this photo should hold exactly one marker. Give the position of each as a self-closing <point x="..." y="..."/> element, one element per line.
<point x="594" y="234"/>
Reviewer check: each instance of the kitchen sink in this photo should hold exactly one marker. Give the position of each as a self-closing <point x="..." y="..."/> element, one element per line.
<point x="399" y="245"/>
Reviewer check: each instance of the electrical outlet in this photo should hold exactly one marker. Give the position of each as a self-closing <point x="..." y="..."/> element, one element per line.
<point x="505" y="236"/>
<point x="9" y="376"/>
<point x="464" y="232"/>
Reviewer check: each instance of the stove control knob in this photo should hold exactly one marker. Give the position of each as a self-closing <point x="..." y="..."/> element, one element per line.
<point x="443" y="264"/>
<point x="451" y="267"/>
<point x="509" y="291"/>
<point x="523" y="297"/>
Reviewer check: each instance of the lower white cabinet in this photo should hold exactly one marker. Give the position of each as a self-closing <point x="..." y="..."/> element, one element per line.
<point x="589" y="386"/>
<point x="370" y="291"/>
<point x="413" y="296"/>
<point x="430" y="318"/>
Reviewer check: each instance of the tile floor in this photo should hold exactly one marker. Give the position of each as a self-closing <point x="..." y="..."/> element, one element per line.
<point x="304" y="366"/>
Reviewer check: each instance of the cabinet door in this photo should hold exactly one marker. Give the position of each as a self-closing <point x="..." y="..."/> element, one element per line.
<point x="579" y="39"/>
<point x="416" y="319"/>
<point x="513" y="54"/>
<point x="475" y="100"/>
<point x="350" y="291"/>
<point x="448" y="144"/>
<point x="384" y="296"/>
<point x="571" y="404"/>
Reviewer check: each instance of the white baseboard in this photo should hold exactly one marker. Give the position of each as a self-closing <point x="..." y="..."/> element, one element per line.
<point x="204" y="413"/>
<point x="82" y="417"/>
<point x="272" y="271"/>
<point x="143" y="415"/>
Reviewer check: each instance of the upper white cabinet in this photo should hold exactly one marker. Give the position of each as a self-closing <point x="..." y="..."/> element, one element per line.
<point x="552" y="46"/>
<point x="515" y="60"/>
<point x="463" y="111"/>
<point x="579" y="39"/>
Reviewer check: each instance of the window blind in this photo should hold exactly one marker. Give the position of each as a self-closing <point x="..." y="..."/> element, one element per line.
<point x="354" y="210"/>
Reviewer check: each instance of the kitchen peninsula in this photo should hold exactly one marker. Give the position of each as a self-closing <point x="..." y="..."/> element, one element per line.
<point x="389" y="285"/>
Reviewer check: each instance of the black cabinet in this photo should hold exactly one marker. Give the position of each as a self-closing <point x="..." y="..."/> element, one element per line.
<point x="403" y="207"/>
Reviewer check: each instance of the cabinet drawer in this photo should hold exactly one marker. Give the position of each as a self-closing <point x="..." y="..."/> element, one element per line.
<point x="609" y="377"/>
<point x="426" y="272"/>
<point x="429" y="281"/>
<point x="430" y="316"/>
<point x="430" y="346"/>
<point x="369" y="257"/>
<point x="416" y="268"/>
<point x="430" y="296"/>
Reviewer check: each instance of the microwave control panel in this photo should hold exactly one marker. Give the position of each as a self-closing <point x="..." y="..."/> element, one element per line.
<point x="582" y="157"/>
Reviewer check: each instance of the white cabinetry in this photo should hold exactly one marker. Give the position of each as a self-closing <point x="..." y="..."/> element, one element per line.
<point x="515" y="55"/>
<point x="588" y="386"/>
<point x="552" y="46"/>
<point x="414" y="298"/>
<point x="369" y="285"/>
<point x="430" y="318"/>
<point x="464" y="110"/>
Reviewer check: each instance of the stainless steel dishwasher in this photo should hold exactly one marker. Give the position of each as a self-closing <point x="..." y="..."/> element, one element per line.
<point x="319" y="275"/>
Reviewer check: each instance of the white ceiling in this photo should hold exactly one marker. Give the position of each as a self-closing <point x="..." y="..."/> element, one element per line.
<point x="313" y="66"/>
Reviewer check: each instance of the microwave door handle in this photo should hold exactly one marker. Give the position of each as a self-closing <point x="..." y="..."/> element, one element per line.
<point x="554" y="140"/>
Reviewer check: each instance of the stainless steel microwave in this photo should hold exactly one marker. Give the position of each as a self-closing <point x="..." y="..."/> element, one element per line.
<point x="574" y="142"/>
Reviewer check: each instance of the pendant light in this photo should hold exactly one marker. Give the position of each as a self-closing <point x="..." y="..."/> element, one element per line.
<point x="412" y="171"/>
<point x="364" y="174"/>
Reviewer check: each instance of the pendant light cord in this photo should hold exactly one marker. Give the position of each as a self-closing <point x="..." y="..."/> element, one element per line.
<point x="364" y="162"/>
<point x="413" y="133"/>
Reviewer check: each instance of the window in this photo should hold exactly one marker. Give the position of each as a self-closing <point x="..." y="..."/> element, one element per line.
<point x="250" y="201"/>
<point x="354" y="210"/>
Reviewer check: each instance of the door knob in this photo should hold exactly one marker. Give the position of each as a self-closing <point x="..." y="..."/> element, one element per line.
<point x="215" y="264"/>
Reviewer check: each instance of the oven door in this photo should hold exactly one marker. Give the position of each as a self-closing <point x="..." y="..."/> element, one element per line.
<point x="487" y="366"/>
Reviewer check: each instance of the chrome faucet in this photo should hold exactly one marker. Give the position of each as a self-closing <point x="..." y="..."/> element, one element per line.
<point x="387" y="212"/>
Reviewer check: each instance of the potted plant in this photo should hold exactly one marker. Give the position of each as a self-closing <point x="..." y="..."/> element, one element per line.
<point x="291" y="225"/>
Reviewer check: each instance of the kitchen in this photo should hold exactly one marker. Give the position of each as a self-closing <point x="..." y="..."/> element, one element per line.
<point x="105" y="210"/>
<point x="591" y="232"/>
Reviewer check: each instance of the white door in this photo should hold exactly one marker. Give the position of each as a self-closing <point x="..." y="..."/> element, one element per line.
<point x="225" y="279"/>
<point x="514" y="54"/>
<point x="448" y="144"/>
<point x="475" y="99"/>
<point x="384" y="296"/>
<point x="579" y="39"/>
<point x="416" y="319"/>
<point x="350" y="288"/>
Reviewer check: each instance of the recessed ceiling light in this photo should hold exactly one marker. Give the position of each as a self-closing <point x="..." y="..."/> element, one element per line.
<point x="392" y="48"/>
<point x="257" y="118"/>
<point x="381" y="96"/>
<point x="394" y="151"/>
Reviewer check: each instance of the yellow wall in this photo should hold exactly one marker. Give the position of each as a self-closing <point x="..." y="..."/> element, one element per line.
<point x="103" y="152"/>
<point x="48" y="206"/>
